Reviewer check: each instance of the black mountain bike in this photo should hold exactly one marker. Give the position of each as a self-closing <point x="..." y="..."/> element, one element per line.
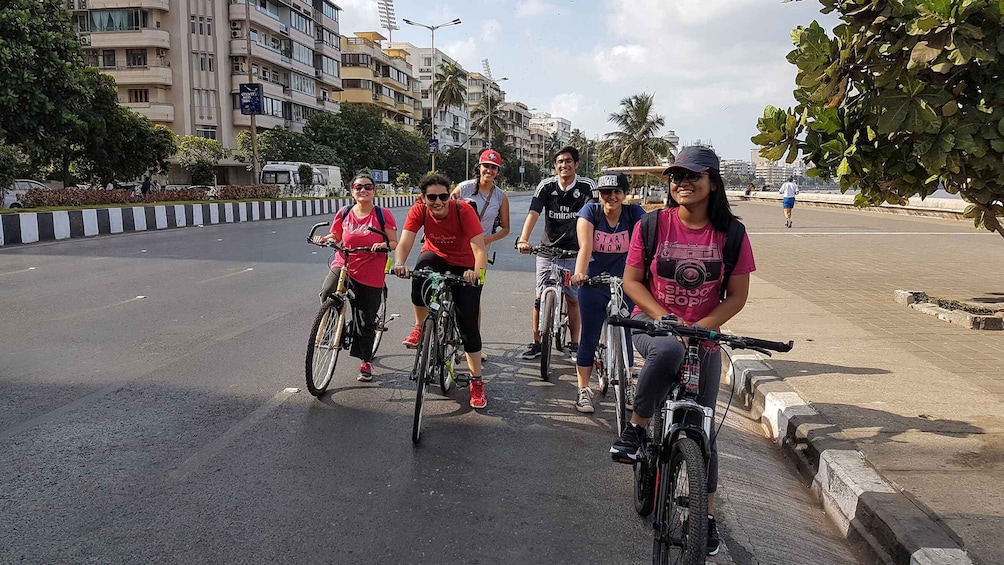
<point x="334" y="328"/>
<point x="671" y="474"/>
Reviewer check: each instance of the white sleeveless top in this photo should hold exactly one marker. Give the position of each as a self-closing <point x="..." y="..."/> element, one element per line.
<point x="489" y="204"/>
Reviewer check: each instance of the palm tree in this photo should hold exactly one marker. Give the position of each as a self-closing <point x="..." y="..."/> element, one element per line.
<point x="637" y="141"/>
<point x="424" y="127"/>
<point x="451" y="85"/>
<point x="552" y="143"/>
<point x="485" y="122"/>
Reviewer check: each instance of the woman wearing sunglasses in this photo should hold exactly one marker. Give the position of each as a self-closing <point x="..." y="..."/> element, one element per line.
<point x="351" y="227"/>
<point x="684" y="279"/>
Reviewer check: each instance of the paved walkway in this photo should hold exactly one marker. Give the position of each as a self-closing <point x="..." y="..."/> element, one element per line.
<point x="921" y="398"/>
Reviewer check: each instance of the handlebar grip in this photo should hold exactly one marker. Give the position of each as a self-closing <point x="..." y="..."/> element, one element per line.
<point x="629" y="323"/>
<point x="772" y="345"/>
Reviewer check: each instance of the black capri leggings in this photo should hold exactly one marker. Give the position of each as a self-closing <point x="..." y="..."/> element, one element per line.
<point x="466" y="299"/>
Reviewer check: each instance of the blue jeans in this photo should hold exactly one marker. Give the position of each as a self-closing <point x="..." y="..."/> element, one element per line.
<point x="592" y="310"/>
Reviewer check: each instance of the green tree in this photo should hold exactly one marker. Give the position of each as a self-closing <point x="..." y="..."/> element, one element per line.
<point x="199" y="156"/>
<point x="355" y="134"/>
<point x="305" y="177"/>
<point x="424" y="127"/>
<point x="484" y="122"/>
<point x="905" y="96"/>
<point x="636" y="142"/>
<point x="451" y="85"/>
<point x="284" y="145"/>
<point x="552" y="144"/>
<point x="403" y="180"/>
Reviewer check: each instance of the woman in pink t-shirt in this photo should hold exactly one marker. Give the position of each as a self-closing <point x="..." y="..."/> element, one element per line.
<point x="351" y="228"/>
<point x="685" y="280"/>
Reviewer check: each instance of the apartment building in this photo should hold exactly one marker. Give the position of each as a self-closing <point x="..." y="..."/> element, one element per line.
<point x="737" y="167"/>
<point x="478" y="86"/>
<point x="378" y="76"/>
<point x="451" y="123"/>
<point x="551" y="125"/>
<point x="517" y="128"/>
<point x="181" y="63"/>
<point x="538" y="148"/>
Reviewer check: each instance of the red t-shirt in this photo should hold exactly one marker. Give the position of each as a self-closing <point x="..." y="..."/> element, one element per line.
<point x="450" y="238"/>
<point x="364" y="268"/>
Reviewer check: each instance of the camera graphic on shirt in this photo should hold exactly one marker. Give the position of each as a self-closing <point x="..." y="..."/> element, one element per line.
<point x="690" y="265"/>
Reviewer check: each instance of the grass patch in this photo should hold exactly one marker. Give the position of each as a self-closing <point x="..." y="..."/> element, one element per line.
<point x="950" y="304"/>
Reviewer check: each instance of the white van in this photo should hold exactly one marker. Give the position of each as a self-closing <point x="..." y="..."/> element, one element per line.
<point x="332" y="177"/>
<point x="286" y="174"/>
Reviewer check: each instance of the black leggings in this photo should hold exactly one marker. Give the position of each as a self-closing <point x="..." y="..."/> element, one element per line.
<point x="466" y="299"/>
<point x="365" y="305"/>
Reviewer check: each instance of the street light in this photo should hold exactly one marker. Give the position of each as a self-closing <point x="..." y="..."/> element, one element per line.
<point x="488" y="142"/>
<point x="434" y="67"/>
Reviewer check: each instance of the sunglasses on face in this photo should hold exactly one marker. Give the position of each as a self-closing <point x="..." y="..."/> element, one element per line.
<point x="490" y="166"/>
<point x="680" y="177"/>
<point x="361" y="187"/>
<point x="444" y="196"/>
<point x="609" y="191"/>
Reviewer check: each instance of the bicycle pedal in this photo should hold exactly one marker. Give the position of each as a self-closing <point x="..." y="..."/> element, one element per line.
<point x="462" y="381"/>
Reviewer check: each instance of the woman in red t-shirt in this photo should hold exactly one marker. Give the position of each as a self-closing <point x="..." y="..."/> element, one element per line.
<point x="454" y="243"/>
<point x="351" y="228"/>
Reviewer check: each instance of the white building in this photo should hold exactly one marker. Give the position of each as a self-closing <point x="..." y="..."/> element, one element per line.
<point x="551" y="125"/>
<point x="450" y="124"/>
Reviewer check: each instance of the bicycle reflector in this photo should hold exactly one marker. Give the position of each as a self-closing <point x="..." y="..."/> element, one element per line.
<point x="567" y="278"/>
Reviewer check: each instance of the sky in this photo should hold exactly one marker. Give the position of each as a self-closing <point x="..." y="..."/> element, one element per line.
<point x="712" y="65"/>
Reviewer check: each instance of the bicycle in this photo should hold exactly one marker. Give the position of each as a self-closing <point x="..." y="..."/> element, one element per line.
<point x="671" y="473"/>
<point x="439" y="350"/>
<point x="611" y="360"/>
<point x="333" y="328"/>
<point x="553" y="319"/>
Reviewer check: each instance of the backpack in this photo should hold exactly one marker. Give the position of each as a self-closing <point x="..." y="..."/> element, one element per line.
<point x="379" y="211"/>
<point x="730" y="254"/>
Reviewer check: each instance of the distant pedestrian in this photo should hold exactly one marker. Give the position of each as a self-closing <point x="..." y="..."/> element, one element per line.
<point x="788" y="191"/>
<point x="750" y="188"/>
<point x="145" y="187"/>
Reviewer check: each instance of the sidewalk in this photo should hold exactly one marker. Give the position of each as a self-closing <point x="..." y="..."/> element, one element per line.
<point x="921" y="399"/>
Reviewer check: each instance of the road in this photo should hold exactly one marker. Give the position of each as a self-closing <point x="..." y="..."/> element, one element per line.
<point x="152" y="409"/>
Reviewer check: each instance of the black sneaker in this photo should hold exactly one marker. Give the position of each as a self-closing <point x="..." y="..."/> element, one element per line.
<point x="628" y="448"/>
<point x="572" y="349"/>
<point x="713" y="541"/>
<point x="532" y="351"/>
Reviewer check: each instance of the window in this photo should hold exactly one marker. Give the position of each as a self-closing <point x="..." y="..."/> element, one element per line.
<point x="135" y="57"/>
<point x="329" y="66"/>
<point x="357" y="83"/>
<point x="329" y="10"/>
<point x="211" y="58"/>
<point x="356" y="60"/>
<point x="302" y="54"/>
<point x="209" y="26"/>
<point x="303" y="84"/>
<point x="139" y="95"/>
<point x="108" y="58"/>
<point x="427" y="62"/>
<point x="117" y="20"/>
<point x="208" y="132"/>
<point x="202" y="25"/>
<point x="297" y="21"/>
<point x="254" y="69"/>
<point x="191" y="25"/>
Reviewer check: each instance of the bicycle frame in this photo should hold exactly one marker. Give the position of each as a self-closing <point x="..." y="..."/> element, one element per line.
<point x="616" y="307"/>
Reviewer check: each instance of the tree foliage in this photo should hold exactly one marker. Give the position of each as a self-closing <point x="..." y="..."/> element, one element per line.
<point x="199" y="156"/>
<point x="904" y="97"/>
<point x="284" y="145"/>
<point x="636" y="142"/>
<point x="451" y="85"/>
<point x="489" y="116"/>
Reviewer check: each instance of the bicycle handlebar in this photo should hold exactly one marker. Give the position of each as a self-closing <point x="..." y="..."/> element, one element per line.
<point x="551" y="252"/>
<point x="450" y="278"/>
<point x="674" y="327"/>
<point x="338" y="247"/>
<point x="602" y="279"/>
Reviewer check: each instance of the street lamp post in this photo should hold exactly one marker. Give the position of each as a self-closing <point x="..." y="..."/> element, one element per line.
<point x="433" y="29"/>
<point x="488" y="142"/>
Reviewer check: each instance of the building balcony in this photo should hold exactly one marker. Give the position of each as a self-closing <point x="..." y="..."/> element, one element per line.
<point x="127" y="39"/>
<point x="261" y="121"/>
<point x="260" y="17"/>
<point x="163" y="5"/>
<point x="128" y="76"/>
<point x="258" y="51"/>
<point x="154" y="111"/>
<point x="355" y="96"/>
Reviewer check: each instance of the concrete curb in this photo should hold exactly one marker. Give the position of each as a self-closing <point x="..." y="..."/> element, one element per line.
<point x="918" y="301"/>
<point x="31" y="227"/>
<point x="931" y="207"/>
<point x="884" y="524"/>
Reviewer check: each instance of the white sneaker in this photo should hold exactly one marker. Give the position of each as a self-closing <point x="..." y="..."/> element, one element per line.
<point x="584" y="403"/>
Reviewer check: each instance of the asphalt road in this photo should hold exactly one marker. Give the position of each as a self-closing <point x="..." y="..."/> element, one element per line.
<point x="146" y="416"/>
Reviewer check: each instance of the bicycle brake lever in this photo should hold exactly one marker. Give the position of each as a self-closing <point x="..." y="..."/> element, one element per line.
<point x="759" y="350"/>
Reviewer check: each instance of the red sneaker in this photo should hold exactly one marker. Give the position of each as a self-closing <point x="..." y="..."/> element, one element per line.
<point x="478" y="399"/>
<point x="411" y="342"/>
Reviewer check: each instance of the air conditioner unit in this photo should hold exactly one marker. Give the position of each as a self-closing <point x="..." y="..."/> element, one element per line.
<point x="318" y="73"/>
<point x="85" y="39"/>
<point x="161" y="52"/>
<point x="235" y="24"/>
<point x="236" y="59"/>
<point x="235" y="33"/>
<point x="82" y="5"/>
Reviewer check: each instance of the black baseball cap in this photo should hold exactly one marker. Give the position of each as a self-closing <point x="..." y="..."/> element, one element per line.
<point x="612" y="181"/>
<point x="695" y="158"/>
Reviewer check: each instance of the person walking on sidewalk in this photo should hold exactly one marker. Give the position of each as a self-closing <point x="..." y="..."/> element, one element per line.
<point x="685" y="278"/>
<point x="788" y="191"/>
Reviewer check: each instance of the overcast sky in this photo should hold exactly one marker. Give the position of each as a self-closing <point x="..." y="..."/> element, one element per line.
<point x="712" y="64"/>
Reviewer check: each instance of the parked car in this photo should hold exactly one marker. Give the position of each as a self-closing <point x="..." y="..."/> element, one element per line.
<point x="12" y="198"/>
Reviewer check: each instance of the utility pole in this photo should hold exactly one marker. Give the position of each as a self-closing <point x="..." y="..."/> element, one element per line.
<point x="255" y="164"/>
<point x="435" y="65"/>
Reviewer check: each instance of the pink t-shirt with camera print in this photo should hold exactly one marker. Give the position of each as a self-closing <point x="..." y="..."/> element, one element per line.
<point x="687" y="271"/>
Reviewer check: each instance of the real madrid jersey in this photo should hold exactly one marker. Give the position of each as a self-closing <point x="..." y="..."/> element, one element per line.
<point x="560" y="209"/>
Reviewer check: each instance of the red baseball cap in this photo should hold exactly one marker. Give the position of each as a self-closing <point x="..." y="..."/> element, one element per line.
<point x="490" y="156"/>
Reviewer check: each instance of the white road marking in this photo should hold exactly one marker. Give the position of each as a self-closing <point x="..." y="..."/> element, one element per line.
<point x="92" y="310"/>
<point x="249" y="269"/>
<point x="21" y="271"/>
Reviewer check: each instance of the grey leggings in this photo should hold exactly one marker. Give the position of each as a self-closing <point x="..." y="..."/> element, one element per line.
<point x="663" y="358"/>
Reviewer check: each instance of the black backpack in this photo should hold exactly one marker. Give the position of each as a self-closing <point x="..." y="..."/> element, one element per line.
<point x="730" y="255"/>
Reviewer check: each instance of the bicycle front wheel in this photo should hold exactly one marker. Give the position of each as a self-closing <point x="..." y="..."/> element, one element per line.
<point x="618" y="375"/>
<point x="424" y="361"/>
<point x="681" y="520"/>
<point x="381" y="321"/>
<point x="547" y="317"/>
<point x="326" y="335"/>
<point x="451" y="347"/>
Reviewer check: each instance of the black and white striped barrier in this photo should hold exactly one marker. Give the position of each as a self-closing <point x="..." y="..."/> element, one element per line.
<point x="31" y="227"/>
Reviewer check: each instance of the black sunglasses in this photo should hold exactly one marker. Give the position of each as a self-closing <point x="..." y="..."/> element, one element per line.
<point x="444" y="196"/>
<point x="679" y="177"/>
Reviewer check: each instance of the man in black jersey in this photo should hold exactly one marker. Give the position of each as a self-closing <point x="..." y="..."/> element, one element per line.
<point x="559" y="198"/>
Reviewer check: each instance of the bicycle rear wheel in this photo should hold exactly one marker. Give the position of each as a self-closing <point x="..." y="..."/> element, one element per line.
<point x="681" y="520"/>
<point x="381" y="321"/>
<point x="326" y="336"/>
<point x="547" y="311"/>
<point x="424" y="360"/>
<point x="646" y="469"/>
<point x="618" y="375"/>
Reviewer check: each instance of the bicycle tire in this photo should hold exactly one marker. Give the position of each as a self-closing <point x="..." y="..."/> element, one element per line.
<point x="646" y="469"/>
<point x="323" y="346"/>
<point x="600" y="365"/>
<point x="451" y="346"/>
<point x="423" y="365"/>
<point x="561" y="327"/>
<point x="381" y="321"/>
<point x="681" y="521"/>
<point x="547" y="311"/>
<point x="618" y="376"/>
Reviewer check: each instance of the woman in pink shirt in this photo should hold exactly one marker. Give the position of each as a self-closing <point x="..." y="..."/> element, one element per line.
<point x="685" y="280"/>
<point x="351" y="227"/>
